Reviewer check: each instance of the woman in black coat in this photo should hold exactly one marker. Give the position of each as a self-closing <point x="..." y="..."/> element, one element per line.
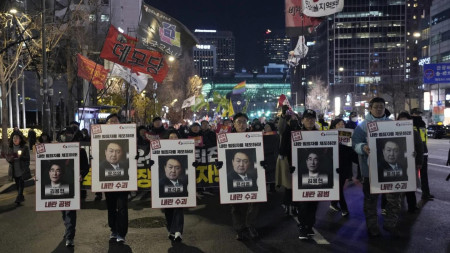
<point x="19" y="163"/>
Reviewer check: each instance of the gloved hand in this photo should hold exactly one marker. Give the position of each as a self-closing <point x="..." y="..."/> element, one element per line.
<point x="218" y="164"/>
<point x="195" y="164"/>
<point x="263" y="164"/>
<point x="284" y="109"/>
<point x="151" y="163"/>
<point x="291" y="169"/>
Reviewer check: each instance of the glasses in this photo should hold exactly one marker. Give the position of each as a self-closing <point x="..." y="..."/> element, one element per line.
<point x="241" y="122"/>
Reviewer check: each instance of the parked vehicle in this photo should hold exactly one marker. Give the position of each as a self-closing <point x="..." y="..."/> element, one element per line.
<point x="436" y="131"/>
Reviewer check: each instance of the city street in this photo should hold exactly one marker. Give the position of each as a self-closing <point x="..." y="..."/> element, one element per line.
<point x="208" y="226"/>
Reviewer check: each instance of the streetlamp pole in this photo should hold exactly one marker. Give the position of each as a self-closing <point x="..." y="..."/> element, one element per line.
<point x="46" y="113"/>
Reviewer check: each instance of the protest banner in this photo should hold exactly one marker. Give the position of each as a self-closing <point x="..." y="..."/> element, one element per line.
<point x="345" y="136"/>
<point x="114" y="165"/>
<point x="242" y="179"/>
<point x="391" y="161"/>
<point x="315" y="158"/>
<point x="173" y="173"/>
<point x="57" y="176"/>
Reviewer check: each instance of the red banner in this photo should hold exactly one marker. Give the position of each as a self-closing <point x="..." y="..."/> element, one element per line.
<point x="92" y="72"/>
<point x="119" y="48"/>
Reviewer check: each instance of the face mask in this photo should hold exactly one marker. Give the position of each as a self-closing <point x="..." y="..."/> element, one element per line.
<point x="354" y="119"/>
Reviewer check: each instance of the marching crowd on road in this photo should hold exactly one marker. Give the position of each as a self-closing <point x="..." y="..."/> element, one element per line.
<point x="278" y="170"/>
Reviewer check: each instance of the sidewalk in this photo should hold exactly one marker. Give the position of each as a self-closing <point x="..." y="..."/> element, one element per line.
<point x="5" y="184"/>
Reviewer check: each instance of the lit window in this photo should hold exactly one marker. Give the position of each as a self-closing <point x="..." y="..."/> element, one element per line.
<point x="92" y="17"/>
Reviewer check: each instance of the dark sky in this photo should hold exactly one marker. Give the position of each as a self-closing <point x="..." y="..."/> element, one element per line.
<point x="247" y="19"/>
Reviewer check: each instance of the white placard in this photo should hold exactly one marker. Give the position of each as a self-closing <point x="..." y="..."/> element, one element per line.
<point x="320" y="8"/>
<point x="58" y="176"/>
<point x="173" y="176"/>
<point x="114" y="164"/>
<point x="242" y="179"/>
<point x="345" y="136"/>
<point x="391" y="160"/>
<point x="315" y="156"/>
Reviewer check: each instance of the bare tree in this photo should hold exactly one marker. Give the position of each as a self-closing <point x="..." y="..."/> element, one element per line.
<point x="17" y="39"/>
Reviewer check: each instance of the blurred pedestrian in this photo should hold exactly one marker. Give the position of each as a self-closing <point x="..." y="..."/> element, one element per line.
<point x="31" y="138"/>
<point x="18" y="157"/>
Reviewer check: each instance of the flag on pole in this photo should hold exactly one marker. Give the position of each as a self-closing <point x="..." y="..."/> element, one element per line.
<point x="188" y="102"/>
<point x="239" y="88"/>
<point x="229" y="111"/>
<point x="121" y="49"/>
<point x="283" y="101"/>
<point x="137" y="80"/>
<point x="91" y="72"/>
<point x="157" y="30"/>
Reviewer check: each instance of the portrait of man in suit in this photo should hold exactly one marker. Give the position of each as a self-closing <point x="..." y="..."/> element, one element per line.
<point x="58" y="184"/>
<point x="391" y="160"/>
<point x="115" y="165"/>
<point x="242" y="175"/>
<point x="316" y="168"/>
<point x="173" y="180"/>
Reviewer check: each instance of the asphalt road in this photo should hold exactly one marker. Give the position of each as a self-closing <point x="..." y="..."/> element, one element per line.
<point x="208" y="226"/>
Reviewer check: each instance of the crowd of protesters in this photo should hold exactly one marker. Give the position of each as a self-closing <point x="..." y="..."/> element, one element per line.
<point x="278" y="171"/>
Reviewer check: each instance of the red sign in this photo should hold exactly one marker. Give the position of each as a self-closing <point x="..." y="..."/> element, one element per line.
<point x="121" y="50"/>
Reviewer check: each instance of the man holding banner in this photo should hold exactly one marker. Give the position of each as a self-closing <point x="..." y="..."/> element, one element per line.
<point x="360" y="144"/>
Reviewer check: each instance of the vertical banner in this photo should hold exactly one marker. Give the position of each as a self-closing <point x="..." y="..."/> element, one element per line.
<point x="297" y="23"/>
<point x="57" y="176"/>
<point x="114" y="167"/>
<point x="392" y="165"/>
<point x="242" y="179"/>
<point x="315" y="156"/>
<point x="144" y="182"/>
<point x="173" y="173"/>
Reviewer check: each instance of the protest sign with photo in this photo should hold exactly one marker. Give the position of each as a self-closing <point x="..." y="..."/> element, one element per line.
<point x="242" y="179"/>
<point x="57" y="176"/>
<point x="315" y="158"/>
<point x="114" y="165"/>
<point x="391" y="161"/>
<point x="173" y="173"/>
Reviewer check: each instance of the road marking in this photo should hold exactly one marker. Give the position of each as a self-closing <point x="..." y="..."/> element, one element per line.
<point x="439" y="169"/>
<point x="318" y="238"/>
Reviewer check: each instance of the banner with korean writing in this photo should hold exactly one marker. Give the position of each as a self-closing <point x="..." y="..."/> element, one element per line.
<point x="297" y="23"/>
<point x="116" y="49"/>
<point x="320" y="8"/>
<point x="114" y="166"/>
<point x="315" y="156"/>
<point x="242" y="179"/>
<point x="436" y="73"/>
<point x="345" y="136"/>
<point x="391" y="160"/>
<point x="173" y="173"/>
<point x="157" y="30"/>
<point x="57" y="176"/>
<point x="91" y="71"/>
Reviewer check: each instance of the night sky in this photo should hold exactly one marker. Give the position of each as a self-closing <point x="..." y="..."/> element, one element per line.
<point x="247" y="19"/>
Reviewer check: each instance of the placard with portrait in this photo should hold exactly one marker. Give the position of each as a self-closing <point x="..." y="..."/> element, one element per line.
<point x="315" y="156"/>
<point x="391" y="160"/>
<point x="173" y="173"/>
<point x="114" y="164"/>
<point x="57" y="176"/>
<point x="242" y="178"/>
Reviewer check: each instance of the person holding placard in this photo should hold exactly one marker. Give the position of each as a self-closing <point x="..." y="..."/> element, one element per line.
<point x="18" y="157"/>
<point x="244" y="215"/>
<point x="172" y="177"/>
<point x="307" y="209"/>
<point x="377" y="112"/>
<point x="117" y="202"/>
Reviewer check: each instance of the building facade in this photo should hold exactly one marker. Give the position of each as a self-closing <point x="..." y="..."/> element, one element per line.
<point x="224" y="42"/>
